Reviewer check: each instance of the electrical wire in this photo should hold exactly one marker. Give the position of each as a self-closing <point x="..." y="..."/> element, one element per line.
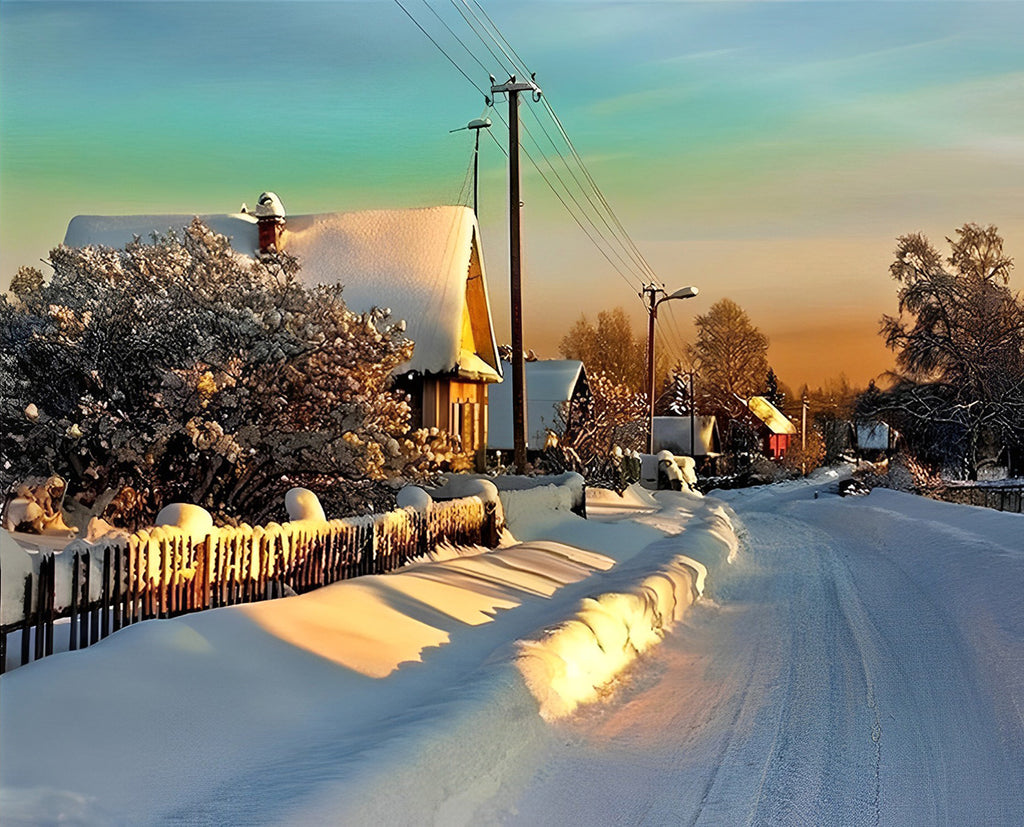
<point x="614" y="237"/>
<point x="458" y="39"/>
<point x="482" y="39"/>
<point x="617" y="231"/>
<point x="441" y="49"/>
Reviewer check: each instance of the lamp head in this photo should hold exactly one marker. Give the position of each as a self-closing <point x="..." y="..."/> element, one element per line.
<point x="684" y="293"/>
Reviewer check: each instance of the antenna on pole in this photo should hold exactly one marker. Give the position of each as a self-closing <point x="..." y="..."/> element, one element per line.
<point x="511" y="88"/>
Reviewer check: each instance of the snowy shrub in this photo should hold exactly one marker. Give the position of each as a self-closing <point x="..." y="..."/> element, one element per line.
<point x="179" y="371"/>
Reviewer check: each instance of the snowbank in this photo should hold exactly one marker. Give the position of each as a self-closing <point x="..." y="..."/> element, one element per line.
<point x="399" y="698"/>
<point x="521" y="498"/>
<point x="373" y="624"/>
<point x="572" y="662"/>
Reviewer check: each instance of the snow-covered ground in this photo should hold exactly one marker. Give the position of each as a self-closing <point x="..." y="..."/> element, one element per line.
<point x="854" y="660"/>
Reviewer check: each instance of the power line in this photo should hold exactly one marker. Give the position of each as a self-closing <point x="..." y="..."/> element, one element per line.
<point x="495" y="35"/>
<point x="458" y="39"/>
<point x="642" y="275"/>
<point x="487" y="17"/>
<point x="440" y="48"/>
<point x="618" y="237"/>
<point x="483" y="40"/>
<point x="580" y="206"/>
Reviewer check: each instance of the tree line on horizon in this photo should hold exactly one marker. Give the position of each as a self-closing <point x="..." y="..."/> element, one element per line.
<point x="956" y="398"/>
<point x="171" y="371"/>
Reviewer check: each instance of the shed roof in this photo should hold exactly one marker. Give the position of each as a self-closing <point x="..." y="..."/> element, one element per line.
<point x="672" y="433"/>
<point x="549" y="383"/>
<point x="424" y="264"/>
<point x="771" y="416"/>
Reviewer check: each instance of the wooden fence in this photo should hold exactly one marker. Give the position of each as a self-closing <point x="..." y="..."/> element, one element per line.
<point x="159" y="573"/>
<point x="1000" y="497"/>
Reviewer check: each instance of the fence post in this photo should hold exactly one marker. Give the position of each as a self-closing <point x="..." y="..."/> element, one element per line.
<point x="27" y="621"/>
<point x="491" y="524"/>
<point x="40" y="603"/>
<point x="118" y="607"/>
<point x="50" y="598"/>
<point x="88" y="630"/>
<point x="105" y="594"/>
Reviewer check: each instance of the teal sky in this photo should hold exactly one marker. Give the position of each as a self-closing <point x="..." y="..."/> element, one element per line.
<point x="770" y="152"/>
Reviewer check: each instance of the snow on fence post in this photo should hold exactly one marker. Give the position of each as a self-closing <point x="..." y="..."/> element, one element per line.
<point x="156" y="573"/>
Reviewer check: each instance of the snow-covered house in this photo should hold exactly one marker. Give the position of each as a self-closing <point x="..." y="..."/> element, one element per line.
<point x="773" y="427"/>
<point x="672" y="433"/>
<point x="550" y="384"/>
<point x="424" y="264"/>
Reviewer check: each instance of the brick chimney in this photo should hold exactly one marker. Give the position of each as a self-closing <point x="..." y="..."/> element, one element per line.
<point x="269" y="214"/>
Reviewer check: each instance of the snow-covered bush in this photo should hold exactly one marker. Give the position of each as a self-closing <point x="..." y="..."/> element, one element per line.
<point x="177" y="370"/>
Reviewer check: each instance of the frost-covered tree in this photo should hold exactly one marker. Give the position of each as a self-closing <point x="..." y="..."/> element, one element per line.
<point x="178" y="370"/>
<point x="959" y="343"/>
<point x="731" y="355"/>
<point x="674" y="400"/>
<point x="612" y="415"/>
<point x="610" y="347"/>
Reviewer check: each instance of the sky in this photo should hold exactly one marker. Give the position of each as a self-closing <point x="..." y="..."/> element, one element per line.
<point x="768" y="152"/>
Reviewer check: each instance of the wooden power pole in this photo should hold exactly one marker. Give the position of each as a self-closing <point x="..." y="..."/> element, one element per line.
<point x="512" y="88"/>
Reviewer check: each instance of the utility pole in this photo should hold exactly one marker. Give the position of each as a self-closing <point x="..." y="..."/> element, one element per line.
<point x="803" y="434"/>
<point x="511" y="89"/>
<point x="651" y="291"/>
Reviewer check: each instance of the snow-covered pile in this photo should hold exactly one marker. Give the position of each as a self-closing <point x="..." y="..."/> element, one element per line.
<point x="522" y="499"/>
<point x="572" y="662"/>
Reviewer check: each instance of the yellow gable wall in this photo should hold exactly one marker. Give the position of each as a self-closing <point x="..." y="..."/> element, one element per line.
<point x="476" y="323"/>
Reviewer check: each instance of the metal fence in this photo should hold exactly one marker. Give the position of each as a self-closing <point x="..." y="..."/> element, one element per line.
<point x="158" y="573"/>
<point x="1000" y="497"/>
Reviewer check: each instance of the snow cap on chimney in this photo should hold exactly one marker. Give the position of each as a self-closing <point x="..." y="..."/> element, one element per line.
<point x="269" y="214"/>
<point x="269" y="206"/>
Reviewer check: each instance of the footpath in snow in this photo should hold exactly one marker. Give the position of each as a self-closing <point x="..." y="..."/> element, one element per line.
<point x="423" y="696"/>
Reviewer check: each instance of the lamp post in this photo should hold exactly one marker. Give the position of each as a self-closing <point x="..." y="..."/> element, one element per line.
<point x="476" y="125"/>
<point x="651" y="291"/>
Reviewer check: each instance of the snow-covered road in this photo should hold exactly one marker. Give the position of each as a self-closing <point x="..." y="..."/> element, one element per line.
<point x="855" y="661"/>
<point x="863" y="663"/>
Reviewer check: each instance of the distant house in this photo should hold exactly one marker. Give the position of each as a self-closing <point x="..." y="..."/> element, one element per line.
<point x="672" y="433"/>
<point x="423" y="264"/>
<point x="773" y="427"/>
<point x="550" y="384"/>
<point x="874" y="438"/>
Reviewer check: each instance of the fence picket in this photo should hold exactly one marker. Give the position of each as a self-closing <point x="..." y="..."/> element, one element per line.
<point x="158" y="577"/>
<point x="40" y="603"/>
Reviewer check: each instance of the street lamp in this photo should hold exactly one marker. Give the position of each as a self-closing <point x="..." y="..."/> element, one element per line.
<point x="651" y="291"/>
<point x="476" y="125"/>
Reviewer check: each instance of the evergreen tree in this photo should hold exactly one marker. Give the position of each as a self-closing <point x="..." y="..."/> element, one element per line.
<point x="772" y="391"/>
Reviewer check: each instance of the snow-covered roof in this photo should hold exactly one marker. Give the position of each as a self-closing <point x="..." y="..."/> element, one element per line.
<point x="672" y="433"/>
<point x="770" y="415"/>
<point x="423" y="264"/>
<point x="118" y="230"/>
<point x="549" y="383"/>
